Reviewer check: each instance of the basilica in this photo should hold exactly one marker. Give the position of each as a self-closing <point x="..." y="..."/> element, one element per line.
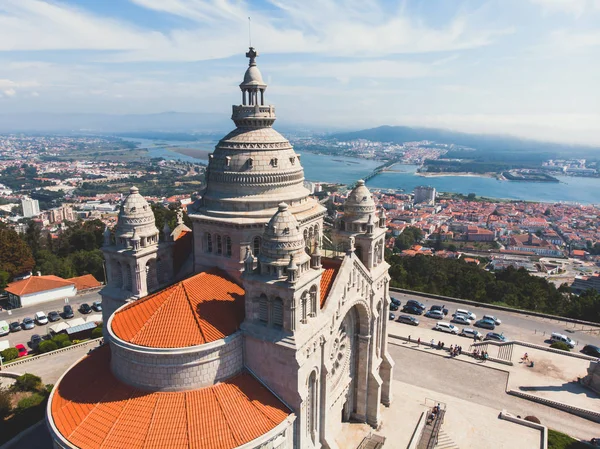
<point x="237" y="332"/>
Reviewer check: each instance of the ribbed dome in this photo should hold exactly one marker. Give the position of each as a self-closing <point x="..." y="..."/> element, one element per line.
<point x="253" y="78"/>
<point x="360" y="202"/>
<point x="136" y="214"/>
<point x="282" y="238"/>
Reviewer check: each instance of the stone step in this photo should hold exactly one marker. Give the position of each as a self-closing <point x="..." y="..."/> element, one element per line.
<point x="445" y="442"/>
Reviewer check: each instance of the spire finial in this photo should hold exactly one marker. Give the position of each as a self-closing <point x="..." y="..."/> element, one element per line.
<point x="252" y="54"/>
<point x="249" y="33"/>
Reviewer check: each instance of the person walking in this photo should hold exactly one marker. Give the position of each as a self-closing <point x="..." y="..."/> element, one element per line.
<point x="432" y="343"/>
<point x="409" y="338"/>
<point x="419" y="342"/>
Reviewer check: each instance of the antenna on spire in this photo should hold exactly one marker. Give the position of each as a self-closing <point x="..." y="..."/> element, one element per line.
<point x="249" y="32"/>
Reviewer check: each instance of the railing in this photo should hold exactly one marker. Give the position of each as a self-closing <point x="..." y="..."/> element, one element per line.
<point x="372" y="441"/>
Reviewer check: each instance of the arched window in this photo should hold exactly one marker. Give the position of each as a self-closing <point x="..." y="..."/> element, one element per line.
<point x="277" y="311"/>
<point x="256" y="246"/>
<point x="263" y="309"/>
<point x="228" y="246"/>
<point x="304" y="307"/>
<point x="151" y="275"/>
<point x="219" y="245"/>
<point x="313" y="301"/>
<point x="161" y="275"/>
<point x="209" y="243"/>
<point x="311" y="407"/>
<point x="377" y="326"/>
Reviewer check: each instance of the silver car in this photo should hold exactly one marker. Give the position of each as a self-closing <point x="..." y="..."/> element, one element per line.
<point x="461" y="319"/>
<point x="471" y="333"/>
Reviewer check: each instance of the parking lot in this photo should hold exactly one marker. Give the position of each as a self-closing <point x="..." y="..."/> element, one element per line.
<point x="515" y="326"/>
<point x="24" y="336"/>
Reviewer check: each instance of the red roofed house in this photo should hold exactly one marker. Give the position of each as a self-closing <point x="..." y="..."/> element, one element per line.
<point x="238" y="334"/>
<point x="39" y="289"/>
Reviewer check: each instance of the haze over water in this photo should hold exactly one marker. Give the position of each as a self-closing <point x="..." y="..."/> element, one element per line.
<point x="346" y="170"/>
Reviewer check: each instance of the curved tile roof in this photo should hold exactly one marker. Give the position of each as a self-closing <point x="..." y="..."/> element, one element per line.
<point x="201" y="309"/>
<point x="92" y="410"/>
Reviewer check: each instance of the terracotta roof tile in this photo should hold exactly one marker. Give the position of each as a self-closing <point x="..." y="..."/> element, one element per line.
<point x="330" y="271"/>
<point x="93" y="410"/>
<point x="35" y="284"/>
<point x="203" y="308"/>
<point x="85" y="282"/>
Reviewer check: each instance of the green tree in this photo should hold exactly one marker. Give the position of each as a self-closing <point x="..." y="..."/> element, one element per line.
<point x="5" y="403"/>
<point x="28" y="382"/>
<point x="9" y="354"/>
<point x="15" y="255"/>
<point x="47" y="346"/>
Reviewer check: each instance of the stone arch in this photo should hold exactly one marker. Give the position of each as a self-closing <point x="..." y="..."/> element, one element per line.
<point x="304" y="307"/>
<point x="127" y="277"/>
<point x="151" y="275"/>
<point x="313" y="301"/>
<point x="312" y="405"/>
<point x="228" y="246"/>
<point x="256" y="243"/>
<point x="277" y="312"/>
<point x="219" y="240"/>
<point x="263" y="309"/>
<point x="117" y="275"/>
<point x="209" y="242"/>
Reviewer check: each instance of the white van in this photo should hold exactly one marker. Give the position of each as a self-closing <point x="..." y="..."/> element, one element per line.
<point x="563" y="338"/>
<point x="446" y="327"/>
<point x="4" y="329"/>
<point x="465" y="312"/>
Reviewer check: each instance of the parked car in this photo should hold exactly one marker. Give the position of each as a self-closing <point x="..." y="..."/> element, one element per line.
<point x="413" y="310"/>
<point x="396" y="301"/>
<point x="392" y="316"/>
<point x="40" y="318"/>
<point x="563" y="338"/>
<point x="415" y="303"/>
<point x="591" y="350"/>
<point x="437" y="314"/>
<point x="68" y="311"/>
<point x="4" y="328"/>
<point x="15" y="326"/>
<point x="465" y="312"/>
<point x="22" y="350"/>
<point x="461" y="319"/>
<point x="496" y="321"/>
<point x="85" y="308"/>
<point x="35" y="341"/>
<point x="407" y="319"/>
<point x="471" y="333"/>
<point x="53" y="316"/>
<point x="97" y="306"/>
<point x="440" y="308"/>
<point x="393" y="307"/>
<point x="486" y="324"/>
<point x="442" y="326"/>
<point x="494" y="336"/>
<point x="28" y="323"/>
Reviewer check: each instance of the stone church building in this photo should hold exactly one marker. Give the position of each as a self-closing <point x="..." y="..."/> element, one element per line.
<point x="239" y="332"/>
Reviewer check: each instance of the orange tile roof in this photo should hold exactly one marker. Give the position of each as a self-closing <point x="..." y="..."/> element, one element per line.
<point x="330" y="271"/>
<point x="85" y="282"/>
<point x="203" y="308"/>
<point x="35" y="284"/>
<point x="92" y="409"/>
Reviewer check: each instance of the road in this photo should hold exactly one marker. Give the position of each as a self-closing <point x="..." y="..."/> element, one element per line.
<point x="515" y="326"/>
<point x="480" y="385"/>
<point x="23" y="336"/>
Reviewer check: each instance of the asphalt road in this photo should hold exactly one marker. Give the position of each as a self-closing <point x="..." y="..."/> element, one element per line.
<point x="480" y="385"/>
<point x="24" y="336"/>
<point x="515" y="326"/>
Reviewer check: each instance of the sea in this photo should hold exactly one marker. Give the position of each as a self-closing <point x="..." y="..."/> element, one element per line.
<point x="346" y="170"/>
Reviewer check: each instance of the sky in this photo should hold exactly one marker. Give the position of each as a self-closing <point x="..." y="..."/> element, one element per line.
<point x="528" y="68"/>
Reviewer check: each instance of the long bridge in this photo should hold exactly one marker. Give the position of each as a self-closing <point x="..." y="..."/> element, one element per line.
<point x="378" y="170"/>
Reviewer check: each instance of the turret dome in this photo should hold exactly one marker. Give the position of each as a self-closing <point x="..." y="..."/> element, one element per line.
<point x="360" y="204"/>
<point x="135" y="215"/>
<point x="282" y="238"/>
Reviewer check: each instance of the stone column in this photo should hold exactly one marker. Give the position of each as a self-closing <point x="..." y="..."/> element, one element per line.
<point x="362" y="377"/>
<point x="387" y="363"/>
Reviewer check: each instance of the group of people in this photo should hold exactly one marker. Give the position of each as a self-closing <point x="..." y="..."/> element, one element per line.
<point x="456" y="350"/>
<point x="480" y="355"/>
<point x="525" y="359"/>
<point x="434" y="412"/>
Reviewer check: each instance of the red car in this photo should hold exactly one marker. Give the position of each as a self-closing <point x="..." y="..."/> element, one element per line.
<point x="22" y="350"/>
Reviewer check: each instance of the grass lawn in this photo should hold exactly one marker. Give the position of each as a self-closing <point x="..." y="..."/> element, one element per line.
<point x="557" y="440"/>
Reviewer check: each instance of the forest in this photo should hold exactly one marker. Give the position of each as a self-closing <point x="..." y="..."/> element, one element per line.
<point x="509" y="287"/>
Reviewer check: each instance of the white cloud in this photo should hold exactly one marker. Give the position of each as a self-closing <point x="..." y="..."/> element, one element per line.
<point x="574" y="7"/>
<point x="9" y="92"/>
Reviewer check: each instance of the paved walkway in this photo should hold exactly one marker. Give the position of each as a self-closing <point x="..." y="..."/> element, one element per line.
<point x="554" y="376"/>
<point x="478" y="385"/>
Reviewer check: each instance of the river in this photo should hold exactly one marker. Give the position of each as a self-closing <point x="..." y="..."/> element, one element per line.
<point x="346" y="170"/>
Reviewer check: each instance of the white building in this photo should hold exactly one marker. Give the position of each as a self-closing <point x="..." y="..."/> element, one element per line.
<point x="39" y="289"/>
<point x="424" y="194"/>
<point x="31" y="208"/>
<point x="266" y="344"/>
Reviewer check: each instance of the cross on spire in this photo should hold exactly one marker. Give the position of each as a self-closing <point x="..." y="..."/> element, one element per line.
<point x="252" y="54"/>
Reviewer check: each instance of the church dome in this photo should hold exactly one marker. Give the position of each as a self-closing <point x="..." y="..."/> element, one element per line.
<point x="253" y="77"/>
<point x="135" y="215"/>
<point x="282" y="238"/>
<point x="360" y="204"/>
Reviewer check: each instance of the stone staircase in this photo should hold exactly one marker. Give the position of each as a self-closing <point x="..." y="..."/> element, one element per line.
<point x="445" y="442"/>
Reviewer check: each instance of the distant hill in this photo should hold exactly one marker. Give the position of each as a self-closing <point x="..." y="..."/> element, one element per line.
<point x="483" y="142"/>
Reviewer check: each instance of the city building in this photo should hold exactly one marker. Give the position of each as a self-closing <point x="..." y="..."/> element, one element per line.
<point x="60" y="214"/>
<point x="424" y="194"/>
<point x="39" y="289"/>
<point x="264" y="342"/>
<point x="31" y="208"/>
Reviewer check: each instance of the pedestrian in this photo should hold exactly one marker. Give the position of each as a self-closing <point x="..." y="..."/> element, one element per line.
<point x="432" y="343"/>
<point x="419" y="342"/>
<point x="443" y="344"/>
<point x="451" y="349"/>
<point x="459" y="350"/>
<point x="409" y="338"/>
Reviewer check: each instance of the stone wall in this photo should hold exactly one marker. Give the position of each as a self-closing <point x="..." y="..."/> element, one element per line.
<point x="176" y="369"/>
